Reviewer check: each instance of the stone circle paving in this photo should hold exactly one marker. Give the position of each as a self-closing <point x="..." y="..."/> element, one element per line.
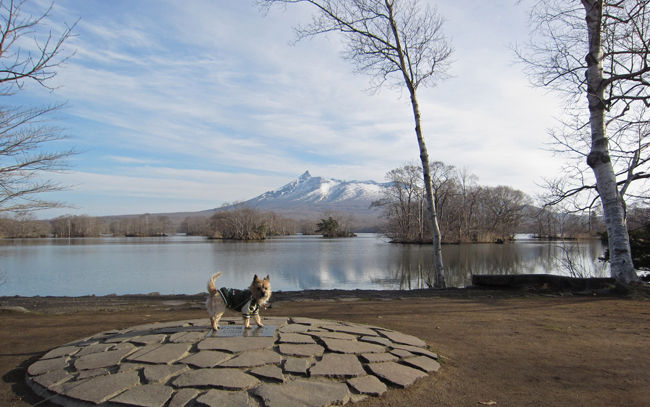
<point x="290" y="362"/>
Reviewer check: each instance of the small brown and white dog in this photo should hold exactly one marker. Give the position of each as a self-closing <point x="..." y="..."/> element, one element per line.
<point x="247" y="301"/>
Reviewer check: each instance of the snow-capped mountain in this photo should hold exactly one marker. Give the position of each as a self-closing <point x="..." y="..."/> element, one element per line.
<point x="321" y="191"/>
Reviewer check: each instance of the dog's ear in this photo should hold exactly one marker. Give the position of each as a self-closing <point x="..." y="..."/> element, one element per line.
<point x="255" y="278"/>
<point x="267" y="278"/>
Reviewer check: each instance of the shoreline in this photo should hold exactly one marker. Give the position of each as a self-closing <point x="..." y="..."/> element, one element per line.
<point x="178" y="302"/>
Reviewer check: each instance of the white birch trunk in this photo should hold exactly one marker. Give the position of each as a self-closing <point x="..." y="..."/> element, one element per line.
<point x="424" y="155"/>
<point x="431" y="204"/>
<point x="599" y="160"/>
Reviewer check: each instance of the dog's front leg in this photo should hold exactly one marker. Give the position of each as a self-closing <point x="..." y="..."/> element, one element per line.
<point x="247" y="323"/>
<point x="257" y="321"/>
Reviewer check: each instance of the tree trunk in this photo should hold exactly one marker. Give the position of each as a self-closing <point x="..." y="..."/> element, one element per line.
<point x="424" y="155"/>
<point x="599" y="160"/>
<point x="431" y="204"/>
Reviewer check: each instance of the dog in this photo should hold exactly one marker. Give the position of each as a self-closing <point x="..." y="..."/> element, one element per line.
<point x="247" y="301"/>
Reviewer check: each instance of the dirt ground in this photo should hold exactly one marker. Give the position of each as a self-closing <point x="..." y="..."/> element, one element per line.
<point x="497" y="348"/>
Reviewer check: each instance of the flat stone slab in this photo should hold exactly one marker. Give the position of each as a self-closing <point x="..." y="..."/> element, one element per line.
<point x="191" y="337"/>
<point x="335" y="365"/>
<point x="206" y="358"/>
<point x="301" y="350"/>
<point x="48" y="365"/>
<point x="227" y="379"/>
<point x="344" y="346"/>
<point x="395" y="373"/>
<point x="253" y="359"/>
<point x="236" y="345"/>
<point x="296" y="338"/>
<point x="99" y="389"/>
<point x="378" y="357"/>
<point x="269" y="372"/>
<point x="149" y="395"/>
<point x="168" y="353"/>
<point x="215" y="398"/>
<point x="369" y="385"/>
<point x="423" y="363"/>
<point x="303" y="362"/>
<point x="303" y="393"/>
<point x="103" y="359"/>
<point x="162" y="373"/>
<point x="183" y="397"/>
<point x="399" y="337"/>
<point x="296" y="365"/>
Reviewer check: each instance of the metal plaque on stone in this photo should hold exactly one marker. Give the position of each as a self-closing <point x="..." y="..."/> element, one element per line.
<point x="230" y="331"/>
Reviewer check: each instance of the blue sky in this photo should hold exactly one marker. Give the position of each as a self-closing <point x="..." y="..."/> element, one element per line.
<point x="182" y="106"/>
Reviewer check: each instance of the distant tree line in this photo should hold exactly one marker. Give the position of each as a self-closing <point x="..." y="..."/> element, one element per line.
<point x="469" y="212"/>
<point x="239" y="222"/>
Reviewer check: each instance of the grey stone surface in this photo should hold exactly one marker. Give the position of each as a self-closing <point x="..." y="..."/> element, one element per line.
<point x="253" y="359"/>
<point x="368" y="385"/>
<point x="378" y="357"/>
<point x="99" y="389"/>
<point x="296" y="338"/>
<point x="214" y="398"/>
<point x="62" y="351"/>
<point x="206" y="358"/>
<point x="303" y="393"/>
<point x="301" y="350"/>
<point x="176" y="365"/>
<point x="167" y="353"/>
<point x="183" y="397"/>
<point x="401" y="353"/>
<point x="333" y="335"/>
<point x="296" y="365"/>
<point x="416" y="350"/>
<point x="96" y="348"/>
<point x="52" y="378"/>
<point x="376" y="339"/>
<point x="161" y="373"/>
<point x="399" y="337"/>
<point x="336" y="365"/>
<point x="87" y="374"/>
<point x="343" y="346"/>
<point x="358" y="330"/>
<point x="125" y="336"/>
<point x="127" y="367"/>
<point x="424" y="363"/>
<point x="310" y="321"/>
<point x="191" y="337"/>
<point x="103" y="359"/>
<point x="228" y="379"/>
<point x="149" y="395"/>
<point x="269" y="372"/>
<point x="397" y="374"/>
<point x="295" y="328"/>
<point x="48" y="365"/>
<point x="150" y="339"/>
<point x="236" y="345"/>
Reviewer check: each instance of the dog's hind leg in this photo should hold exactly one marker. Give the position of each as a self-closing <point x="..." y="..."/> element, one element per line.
<point x="215" y="320"/>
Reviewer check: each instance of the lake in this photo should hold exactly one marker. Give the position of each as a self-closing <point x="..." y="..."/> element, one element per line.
<point x="183" y="264"/>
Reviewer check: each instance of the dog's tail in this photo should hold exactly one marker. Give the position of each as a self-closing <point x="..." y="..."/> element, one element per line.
<point x="211" y="288"/>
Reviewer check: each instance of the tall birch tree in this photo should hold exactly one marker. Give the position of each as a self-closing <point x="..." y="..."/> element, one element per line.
<point x="397" y="43"/>
<point x="597" y="54"/>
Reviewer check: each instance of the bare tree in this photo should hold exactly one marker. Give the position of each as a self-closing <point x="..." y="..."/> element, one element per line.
<point x="395" y="42"/>
<point x="24" y="131"/>
<point x="598" y="52"/>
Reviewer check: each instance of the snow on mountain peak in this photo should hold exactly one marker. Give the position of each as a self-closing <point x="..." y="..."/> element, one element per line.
<point x="308" y="189"/>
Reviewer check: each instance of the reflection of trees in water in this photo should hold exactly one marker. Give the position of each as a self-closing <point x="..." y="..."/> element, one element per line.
<point x="416" y="268"/>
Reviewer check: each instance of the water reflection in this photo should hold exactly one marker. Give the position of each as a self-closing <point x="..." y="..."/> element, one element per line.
<point x="181" y="265"/>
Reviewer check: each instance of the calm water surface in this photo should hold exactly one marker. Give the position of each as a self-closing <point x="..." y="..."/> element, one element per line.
<point x="182" y="265"/>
